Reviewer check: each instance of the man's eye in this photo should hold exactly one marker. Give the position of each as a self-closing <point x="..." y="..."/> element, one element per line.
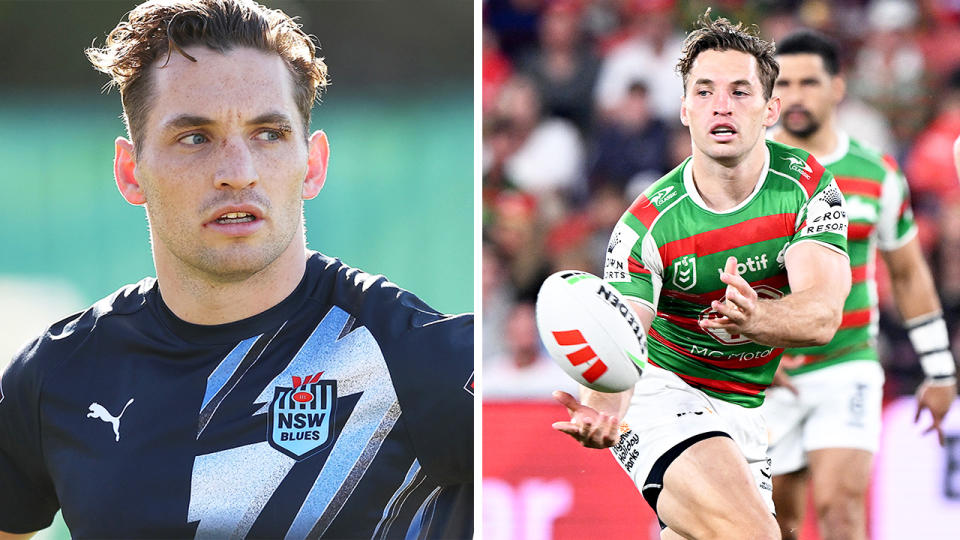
<point x="193" y="139"/>
<point x="702" y="92"/>
<point x="269" y="135"/>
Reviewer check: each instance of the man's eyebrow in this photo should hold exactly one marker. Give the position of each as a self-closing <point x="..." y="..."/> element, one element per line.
<point x="276" y="118"/>
<point x="187" y="121"/>
<point x="191" y="121"/>
<point x="709" y="82"/>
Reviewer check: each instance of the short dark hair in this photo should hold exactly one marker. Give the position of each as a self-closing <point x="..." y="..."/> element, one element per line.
<point x="157" y="28"/>
<point x="722" y="35"/>
<point x="812" y="42"/>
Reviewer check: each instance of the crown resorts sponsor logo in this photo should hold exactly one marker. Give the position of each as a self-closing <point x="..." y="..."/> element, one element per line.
<point x="615" y="239"/>
<point x="826" y="212"/>
<point x="616" y="265"/>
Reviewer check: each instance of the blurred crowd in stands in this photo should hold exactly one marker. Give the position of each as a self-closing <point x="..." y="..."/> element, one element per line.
<point x="580" y="104"/>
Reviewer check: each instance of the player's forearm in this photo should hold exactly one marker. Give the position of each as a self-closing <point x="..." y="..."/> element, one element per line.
<point x="615" y="404"/>
<point x="915" y="294"/>
<point x="911" y="282"/>
<point x="801" y="319"/>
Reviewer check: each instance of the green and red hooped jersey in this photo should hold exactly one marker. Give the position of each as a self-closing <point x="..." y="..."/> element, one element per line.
<point x="668" y="250"/>
<point x="878" y="208"/>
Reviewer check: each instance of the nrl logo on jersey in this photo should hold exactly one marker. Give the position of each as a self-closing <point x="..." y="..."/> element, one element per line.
<point x="798" y="165"/>
<point x="301" y="416"/>
<point x="661" y="196"/>
<point x="685" y="272"/>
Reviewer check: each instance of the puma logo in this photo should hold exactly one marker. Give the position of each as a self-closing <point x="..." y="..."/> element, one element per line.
<point x="98" y="411"/>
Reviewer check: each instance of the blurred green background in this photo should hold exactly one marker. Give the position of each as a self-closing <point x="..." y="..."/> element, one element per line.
<point x="399" y="193"/>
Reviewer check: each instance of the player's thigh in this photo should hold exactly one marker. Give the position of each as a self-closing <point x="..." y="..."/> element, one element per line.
<point x="841" y="476"/>
<point x="710" y="492"/>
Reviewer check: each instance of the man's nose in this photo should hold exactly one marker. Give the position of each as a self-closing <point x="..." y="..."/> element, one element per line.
<point x="235" y="167"/>
<point x="722" y="104"/>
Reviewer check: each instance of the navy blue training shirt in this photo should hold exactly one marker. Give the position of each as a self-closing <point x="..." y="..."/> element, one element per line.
<point x="345" y="411"/>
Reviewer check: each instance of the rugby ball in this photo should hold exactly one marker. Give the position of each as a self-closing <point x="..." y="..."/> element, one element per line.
<point x="590" y="331"/>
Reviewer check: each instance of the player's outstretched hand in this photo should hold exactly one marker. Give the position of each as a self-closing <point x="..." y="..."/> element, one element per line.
<point x="936" y="398"/>
<point x="588" y="426"/>
<point x="739" y="310"/>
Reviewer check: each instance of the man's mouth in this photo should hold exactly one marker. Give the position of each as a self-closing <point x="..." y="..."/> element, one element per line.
<point x="723" y="130"/>
<point x="235" y="217"/>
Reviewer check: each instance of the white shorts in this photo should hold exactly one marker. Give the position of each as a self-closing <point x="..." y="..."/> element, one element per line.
<point x="667" y="415"/>
<point x="838" y="406"/>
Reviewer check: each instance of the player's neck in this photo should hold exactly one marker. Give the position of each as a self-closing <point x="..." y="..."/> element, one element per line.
<point x="820" y="143"/>
<point x="200" y="299"/>
<point x="724" y="185"/>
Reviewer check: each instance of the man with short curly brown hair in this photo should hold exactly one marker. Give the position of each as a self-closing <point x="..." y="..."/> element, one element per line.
<point x="254" y="388"/>
<point x="155" y="30"/>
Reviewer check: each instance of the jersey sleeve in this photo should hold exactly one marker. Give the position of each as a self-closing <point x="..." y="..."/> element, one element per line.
<point x="436" y="395"/>
<point x="27" y="498"/>
<point x="823" y="217"/>
<point x="895" y="225"/>
<point x="633" y="265"/>
<point x="430" y="358"/>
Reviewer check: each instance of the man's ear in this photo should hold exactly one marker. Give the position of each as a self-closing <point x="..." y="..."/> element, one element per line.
<point x="124" y="172"/>
<point x="773" y="111"/>
<point x="317" y="159"/>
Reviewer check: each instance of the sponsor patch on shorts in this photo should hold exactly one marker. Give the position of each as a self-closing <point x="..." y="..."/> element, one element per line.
<point x="626" y="450"/>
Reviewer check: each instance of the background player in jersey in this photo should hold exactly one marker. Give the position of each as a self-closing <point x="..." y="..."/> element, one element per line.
<point x="825" y="422"/>
<point x="255" y="388"/>
<point x="693" y="440"/>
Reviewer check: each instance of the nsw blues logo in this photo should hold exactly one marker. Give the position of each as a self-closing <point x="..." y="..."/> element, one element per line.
<point x="301" y="417"/>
